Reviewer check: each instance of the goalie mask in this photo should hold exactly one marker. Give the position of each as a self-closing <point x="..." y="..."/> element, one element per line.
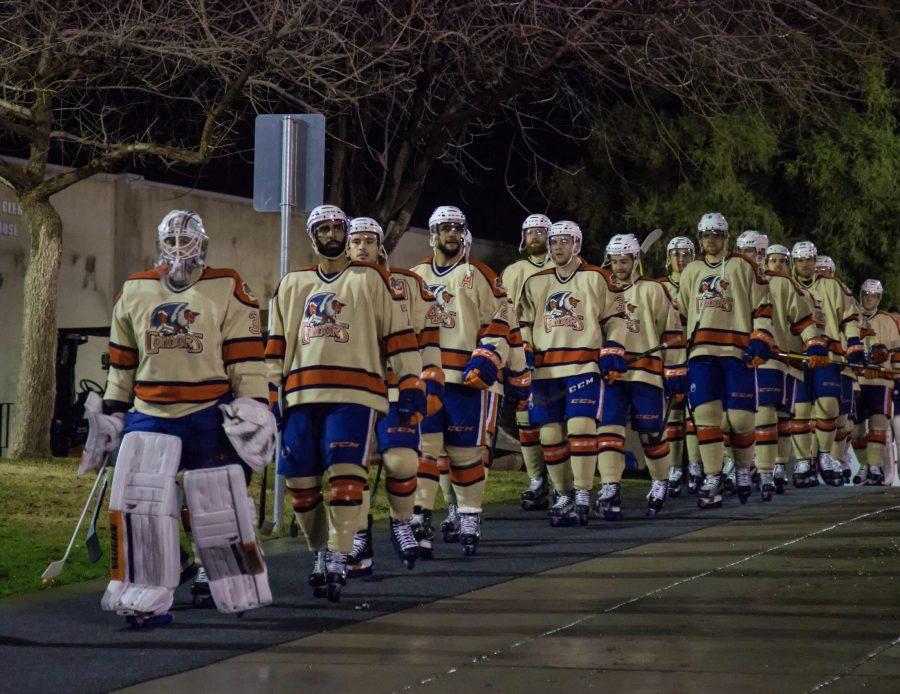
<point x="534" y="221"/>
<point x="327" y="214"/>
<point x="182" y="244"/>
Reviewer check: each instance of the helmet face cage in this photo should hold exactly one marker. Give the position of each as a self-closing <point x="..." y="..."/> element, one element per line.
<point x="447" y="214"/>
<point x="533" y="221"/>
<point x="182" y="242"/>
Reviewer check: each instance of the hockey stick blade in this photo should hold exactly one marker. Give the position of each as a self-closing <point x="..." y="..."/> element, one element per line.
<point x="91" y="541"/>
<point x="652" y="238"/>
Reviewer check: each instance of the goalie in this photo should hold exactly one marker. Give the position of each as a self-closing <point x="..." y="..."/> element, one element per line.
<point x="187" y="388"/>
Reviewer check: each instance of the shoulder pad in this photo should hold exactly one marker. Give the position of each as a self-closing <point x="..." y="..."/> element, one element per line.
<point x="152" y="274"/>
<point x="612" y="282"/>
<point x="382" y="273"/>
<point x="491" y="277"/>
<point x="242" y="291"/>
<point x="420" y="283"/>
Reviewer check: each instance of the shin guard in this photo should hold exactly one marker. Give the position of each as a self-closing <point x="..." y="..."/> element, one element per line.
<point x="467" y="475"/>
<point x="555" y="451"/>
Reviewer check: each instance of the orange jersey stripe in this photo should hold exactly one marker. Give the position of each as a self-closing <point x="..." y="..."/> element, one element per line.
<point x="122" y="357"/>
<point x="725" y="338"/>
<point x="170" y="393"/>
<point x="401" y="342"/>
<point x="275" y="347"/>
<point x="244" y="349"/>
<point x="323" y="377"/>
<point x="564" y="356"/>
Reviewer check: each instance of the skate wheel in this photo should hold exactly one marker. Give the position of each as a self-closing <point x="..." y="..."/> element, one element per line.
<point x="320" y="592"/>
<point x="469" y="550"/>
<point x="451" y="537"/>
<point x="203" y="602"/>
<point x="674" y="492"/>
<point x="334" y="592"/>
<point x="410" y="564"/>
<point x="425" y="553"/>
<point x="857" y="479"/>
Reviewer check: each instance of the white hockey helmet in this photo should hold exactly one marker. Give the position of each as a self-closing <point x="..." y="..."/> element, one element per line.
<point x="803" y="249"/>
<point x="623" y="244"/>
<point x="681" y="243"/>
<point x="182" y="242"/>
<point x="762" y="243"/>
<point x="712" y="222"/>
<point x="366" y="225"/>
<point x="824" y="263"/>
<point x="748" y="239"/>
<point x="534" y="221"/>
<point x="566" y="228"/>
<point x="446" y="213"/>
<point x="324" y="213"/>
<point x="778" y="249"/>
<point x="872" y="287"/>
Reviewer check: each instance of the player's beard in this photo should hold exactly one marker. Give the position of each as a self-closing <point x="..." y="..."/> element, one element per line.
<point x="330" y="249"/>
<point x="536" y="248"/>
<point x="447" y="251"/>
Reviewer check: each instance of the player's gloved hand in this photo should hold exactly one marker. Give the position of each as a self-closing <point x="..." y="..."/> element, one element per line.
<point x="433" y="377"/>
<point x="411" y="403"/>
<point x="759" y="349"/>
<point x="878" y="354"/>
<point x="517" y="390"/>
<point x="816" y="349"/>
<point x="856" y="352"/>
<point x="104" y="434"/>
<point x="529" y="357"/>
<point x="872" y="374"/>
<point x="675" y="380"/>
<point x="250" y="426"/>
<point x="612" y="361"/>
<point x="482" y="368"/>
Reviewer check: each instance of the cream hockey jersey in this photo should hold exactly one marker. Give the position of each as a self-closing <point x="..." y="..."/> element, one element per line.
<point x="514" y="276"/>
<point x="834" y="312"/>
<point x="567" y="321"/>
<point x="730" y="301"/>
<point x="470" y="309"/>
<point x="651" y="319"/>
<point x="177" y="352"/>
<point x="331" y="335"/>
<point x="883" y="333"/>
<point x="793" y="324"/>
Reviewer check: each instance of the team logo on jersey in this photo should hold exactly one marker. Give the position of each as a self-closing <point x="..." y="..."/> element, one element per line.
<point x="320" y="319"/>
<point x="632" y="323"/>
<point x="398" y="287"/>
<point x="817" y="313"/>
<point x="560" y="312"/>
<point x="440" y="313"/>
<point x="713" y="293"/>
<point x="170" y="328"/>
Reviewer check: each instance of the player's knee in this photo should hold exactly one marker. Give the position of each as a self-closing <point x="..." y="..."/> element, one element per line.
<point x="400" y="463"/>
<point x="552" y="434"/>
<point x="305" y="493"/>
<point x="466" y="465"/>
<point x="709" y="414"/>
<point x="582" y="426"/>
<point x="432" y="445"/>
<point x="741" y="422"/>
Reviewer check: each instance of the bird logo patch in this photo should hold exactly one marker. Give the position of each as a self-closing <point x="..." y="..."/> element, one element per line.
<point x="714" y="294"/>
<point x="320" y="319"/>
<point x="560" y="312"/>
<point x="170" y="328"/>
<point x="632" y="322"/>
<point x="440" y="313"/>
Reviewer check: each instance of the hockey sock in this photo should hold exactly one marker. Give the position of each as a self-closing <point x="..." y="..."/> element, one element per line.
<point x="784" y="438"/>
<point x="690" y="440"/>
<point x="428" y="473"/>
<point x="611" y="453"/>
<point x="825" y="412"/>
<point x="400" y="467"/>
<point x="555" y="451"/>
<point x="767" y="440"/>
<point x="443" y="463"/>
<point x="345" y="497"/>
<point x="841" y="442"/>
<point x="860" y="443"/>
<point x="658" y="457"/>
<point x="467" y="475"/>
<point x="582" y="433"/>
<point x="530" y="440"/>
<point x="801" y="431"/>
<point x="363" y="522"/>
<point x="675" y="436"/>
<point x="710" y="437"/>
<point x="306" y="498"/>
<point x="876" y="440"/>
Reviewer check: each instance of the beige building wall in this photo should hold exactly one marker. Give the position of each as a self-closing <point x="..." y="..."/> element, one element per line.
<point x="109" y="232"/>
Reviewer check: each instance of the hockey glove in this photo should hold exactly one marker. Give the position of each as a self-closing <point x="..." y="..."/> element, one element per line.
<point x="676" y="383"/>
<point x="529" y="357"/>
<point x="517" y="390"/>
<point x="104" y="434"/>
<point x="612" y="361"/>
<point x="759" y="349"/>
<point x="872" y="374"/>
<point x="250" y="426"/>
<point x="411" y="404"/>
<point x="482" y="368"/>
<point x="856" y="352"/>
<point x="878" y="354"/>
<point x="816" y="349"/>
<point x="433" y="377"/>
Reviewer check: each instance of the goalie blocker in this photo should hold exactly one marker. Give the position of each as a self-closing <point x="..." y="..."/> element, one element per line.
<point x="144" y="509"/>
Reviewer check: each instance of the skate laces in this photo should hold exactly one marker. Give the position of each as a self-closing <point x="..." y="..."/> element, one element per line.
<point x="582" y="497"/>
<point x="201" y="576"/>
<point x="609" y="491"/>
<point x="695" y="469"/>
<point x="779" y="471"/>
<point x="337" y="562"/>
<point x="727" y="466"/>
<point x="744" y="476"/>
<point x="711" y="483"/>
<point x="359" y="543"/>
<point x="468" y="523"/>
<point x="767" y="478"/>
<point x="802" y="467"/>
<point x="320" y="561"/>
<point x="563" y="500"/>
<point x="404" y="533"/>
<point x="658" y="490"/>
<point x="675" y="474"/>
<point x="453" y="513"/>
<point x="537" y="483"/>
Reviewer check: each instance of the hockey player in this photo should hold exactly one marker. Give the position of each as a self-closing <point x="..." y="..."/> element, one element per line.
<point x="679" y="252"/>
<point x="795" y="331"/>
<point x="825" y="266"/>
<point x="474" y="318"/>
<point x="729" y="326"/>
<point x="874" y="406"/>
<point x="331" y="328"/>
<point x="830" y="394"/>
<point x="534" y="243"/>
<point x="654" y="380"/>
<point x="186" y="388"/>
<point x="571" y="315"/>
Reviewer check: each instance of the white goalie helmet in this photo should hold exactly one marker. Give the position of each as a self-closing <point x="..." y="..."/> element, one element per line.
<point x="182" y="243"/>
<point x="872" y="287"/>
<point x="623" y="244"/>
<point x="804" y="249"/>
<point x="712" y="222"/>
<point x="534" y="221"/>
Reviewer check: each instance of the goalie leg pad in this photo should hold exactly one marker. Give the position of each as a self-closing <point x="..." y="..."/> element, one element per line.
<point x="143" y="518"/>
<point x="222" y="520"/>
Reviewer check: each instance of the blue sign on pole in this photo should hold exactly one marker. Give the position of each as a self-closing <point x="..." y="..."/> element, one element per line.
<point x="308" y="165"/>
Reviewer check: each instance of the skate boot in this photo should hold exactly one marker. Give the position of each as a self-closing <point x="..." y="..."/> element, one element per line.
<point x="780" y="476"/>
<point x="361" y="561"/>
<point x="582" y="506"/>
<point x="421" y="525"/>
<point x="404" y="541"/>
<point x="769" y="485"/>
<point x="710" y="495"/>
<point x="804" y="474"/>
<point x="846" y="472"/>
<point x="656" y="497"/>
<point x="536" y="497"/>
<point x="335" y="575"/>
<point x="826" y="469"/>
<point x="729" y="476"/>
<point x="562" y="513"/>
<point x="744" y="478"/>
<point x="609" y="501"/>
<point x="201" y="596"/>
<point x="695" y="477"/>
<point x="861" y="474"/>
<point x="756" y="480"/>
<point x="469" y="532"/>
<point x="676" y="476"/>
<point x="450" y="526"/>
<point x="875" y="477"/>
<point x="148" y="621"/>
<point x="317" y="576"/>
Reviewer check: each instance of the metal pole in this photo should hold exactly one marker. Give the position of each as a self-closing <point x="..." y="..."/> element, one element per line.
<point x="288" y="154"/>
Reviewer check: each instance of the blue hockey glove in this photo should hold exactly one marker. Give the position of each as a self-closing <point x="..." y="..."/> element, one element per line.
<point x="612" y="361"/>
<point x="856" y="352"/>
<point x="411" y="404"/>
<point x="482" y="368"/>
<point x="759" y="349"/>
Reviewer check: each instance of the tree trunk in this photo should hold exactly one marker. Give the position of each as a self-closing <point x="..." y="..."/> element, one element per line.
<point x="36" y="387"/>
